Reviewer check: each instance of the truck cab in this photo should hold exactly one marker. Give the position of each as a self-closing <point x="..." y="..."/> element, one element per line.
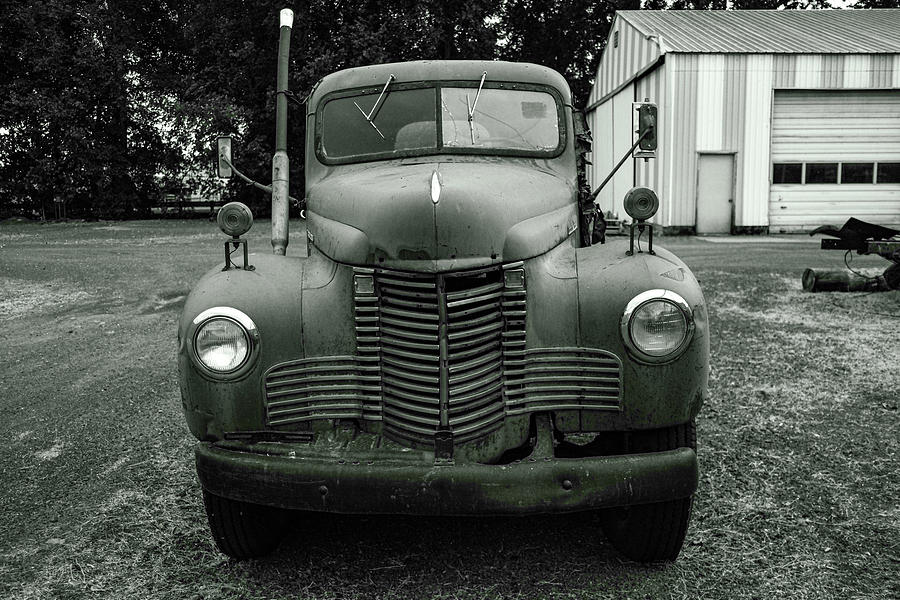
<point x="453" y="343"/>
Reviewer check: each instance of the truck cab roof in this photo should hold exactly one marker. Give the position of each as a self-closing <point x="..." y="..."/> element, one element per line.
<point x="440" y="70"/>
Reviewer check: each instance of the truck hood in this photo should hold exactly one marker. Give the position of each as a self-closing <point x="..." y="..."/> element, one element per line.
<point x="440" y="216"/>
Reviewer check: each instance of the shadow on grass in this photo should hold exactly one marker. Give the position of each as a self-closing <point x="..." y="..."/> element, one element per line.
<point x="401" y="557"/>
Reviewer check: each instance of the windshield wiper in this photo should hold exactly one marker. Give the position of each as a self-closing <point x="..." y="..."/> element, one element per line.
<point x="372" y="113"/>
<point x="472" y="109"/>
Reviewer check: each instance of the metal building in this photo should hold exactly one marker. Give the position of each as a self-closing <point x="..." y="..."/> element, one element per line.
<point x="768" y="120"/>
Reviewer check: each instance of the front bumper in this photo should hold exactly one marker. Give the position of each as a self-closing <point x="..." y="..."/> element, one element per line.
<point x="396" y="486"/>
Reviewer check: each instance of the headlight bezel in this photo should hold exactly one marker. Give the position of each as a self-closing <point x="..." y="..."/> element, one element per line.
<point x="642" y="299"/>
<point x="251" y="333"/>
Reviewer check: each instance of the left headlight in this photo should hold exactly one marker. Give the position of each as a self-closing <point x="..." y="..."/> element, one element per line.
<point x="657" y="326"/>
<point x="224" y="342"/>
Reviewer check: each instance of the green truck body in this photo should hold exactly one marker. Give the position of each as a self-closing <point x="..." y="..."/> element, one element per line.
<point x="450" y="345"/>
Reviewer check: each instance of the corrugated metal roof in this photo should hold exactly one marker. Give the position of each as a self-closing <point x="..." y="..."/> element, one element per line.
<point x="868" y="31"/>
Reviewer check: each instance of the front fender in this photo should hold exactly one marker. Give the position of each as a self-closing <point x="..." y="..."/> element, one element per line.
<point x="654" y="395"/>
<point x="300" y="306"/>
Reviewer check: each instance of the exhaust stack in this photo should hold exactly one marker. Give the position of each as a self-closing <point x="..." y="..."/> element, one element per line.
<point x="280" y="162"/>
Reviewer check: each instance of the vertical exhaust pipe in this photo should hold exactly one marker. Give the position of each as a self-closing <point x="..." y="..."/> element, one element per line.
<point x="280" y="162"/>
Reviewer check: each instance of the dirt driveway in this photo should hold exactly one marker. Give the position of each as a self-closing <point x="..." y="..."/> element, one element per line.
<point x="799" y="445"/>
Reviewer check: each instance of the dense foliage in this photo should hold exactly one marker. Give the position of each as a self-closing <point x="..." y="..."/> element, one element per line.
<point x="105" y="103"/>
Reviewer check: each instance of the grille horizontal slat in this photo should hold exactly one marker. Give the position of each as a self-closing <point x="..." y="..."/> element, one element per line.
<point x="481" y="384"/>
<point x="459" y="367"/>
<point x="476" y="333"/>
<point x="318" y="391"/>
<point x="413" y="356"/>
<point x="480" y="291"/>
<point x="406" y="280"/>
<point x="457" y="355"/>
<point x="321" y="388"/>
<point x="430" y="367"/>
<point x="407" y="314"/>
<point x="410" y="304"/>
<point x="562" y="379"/>
<point x="313" y="379"/>
<point x="489" y="369"/>
<point x="411" y="411"/>
<point x="410" y="324"/>
<point x="470" y="311"/>
<point x="410" y="386"/>
<point x="479" y="428"/>
<point x="475" y="415"/>
<point x="392" y="392"/>
<point x="417" y="294"/>
<point x="462" y="409"/>
<point x="407" y="374"/>
<point x="393" y="333"/>
<point x="462" y="345"/>
<point x="311" y="402"/>
<point x="473" y="300"/>
<point x="352" y="406"/>
<point x="477" y="392"/>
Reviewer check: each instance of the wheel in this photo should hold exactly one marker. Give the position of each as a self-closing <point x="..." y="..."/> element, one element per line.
<point x="652" y="532"/>
<point x="242" y="530"/>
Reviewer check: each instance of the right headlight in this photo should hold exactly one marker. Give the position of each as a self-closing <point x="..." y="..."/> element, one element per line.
<point x="224" y="342"/>
<point x="657" y="326"/>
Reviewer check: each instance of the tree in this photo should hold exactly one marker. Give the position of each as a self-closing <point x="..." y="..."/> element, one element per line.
<point x="232" y="66"/>
<point x="876" y="4"/>
<point x="84" y="82"/>
<point x="566" y="35"/>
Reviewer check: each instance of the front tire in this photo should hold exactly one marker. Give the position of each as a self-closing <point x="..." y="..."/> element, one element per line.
<point x="242" y="530"/>
<point x="652" y="532"/>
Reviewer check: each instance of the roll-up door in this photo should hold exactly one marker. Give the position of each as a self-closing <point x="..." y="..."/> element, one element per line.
<point x="835" y="155"/>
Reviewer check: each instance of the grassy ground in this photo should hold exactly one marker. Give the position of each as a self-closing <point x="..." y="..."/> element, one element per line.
<point x="798" y="495"/>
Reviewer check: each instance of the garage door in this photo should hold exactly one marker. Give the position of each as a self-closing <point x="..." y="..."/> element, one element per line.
<point x="835" y="155"/>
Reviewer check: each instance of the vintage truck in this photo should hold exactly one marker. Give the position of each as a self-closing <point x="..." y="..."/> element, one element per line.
<point x="453" y="343"/>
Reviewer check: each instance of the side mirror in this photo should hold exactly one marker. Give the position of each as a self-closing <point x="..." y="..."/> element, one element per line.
<point x="646" y="129"/>
<point x="223" y="157"/>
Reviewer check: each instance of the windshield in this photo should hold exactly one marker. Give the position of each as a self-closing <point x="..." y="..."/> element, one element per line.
<point x="502" y="121"/>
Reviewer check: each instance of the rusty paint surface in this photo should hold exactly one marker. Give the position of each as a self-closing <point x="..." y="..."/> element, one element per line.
<point x="393" y="485"/>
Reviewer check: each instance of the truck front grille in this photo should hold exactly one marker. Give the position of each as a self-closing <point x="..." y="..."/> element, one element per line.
<point x="441" y="332"/>
<point x="441" y="352"/>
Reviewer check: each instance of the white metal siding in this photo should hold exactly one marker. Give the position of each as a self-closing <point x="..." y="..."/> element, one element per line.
<point x="751" y="211"/>
<point x="834" y="126"/>
<point x="680" y="151"/>
<point x="601" y="121"/>
<point x="710" y="102"/>
<point x="710" y="117"/>
<point x="611" y="129"/>
<point x="619" y="64"/>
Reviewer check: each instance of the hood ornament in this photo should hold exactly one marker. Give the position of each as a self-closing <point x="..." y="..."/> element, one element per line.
<point x="435" y="187"/>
